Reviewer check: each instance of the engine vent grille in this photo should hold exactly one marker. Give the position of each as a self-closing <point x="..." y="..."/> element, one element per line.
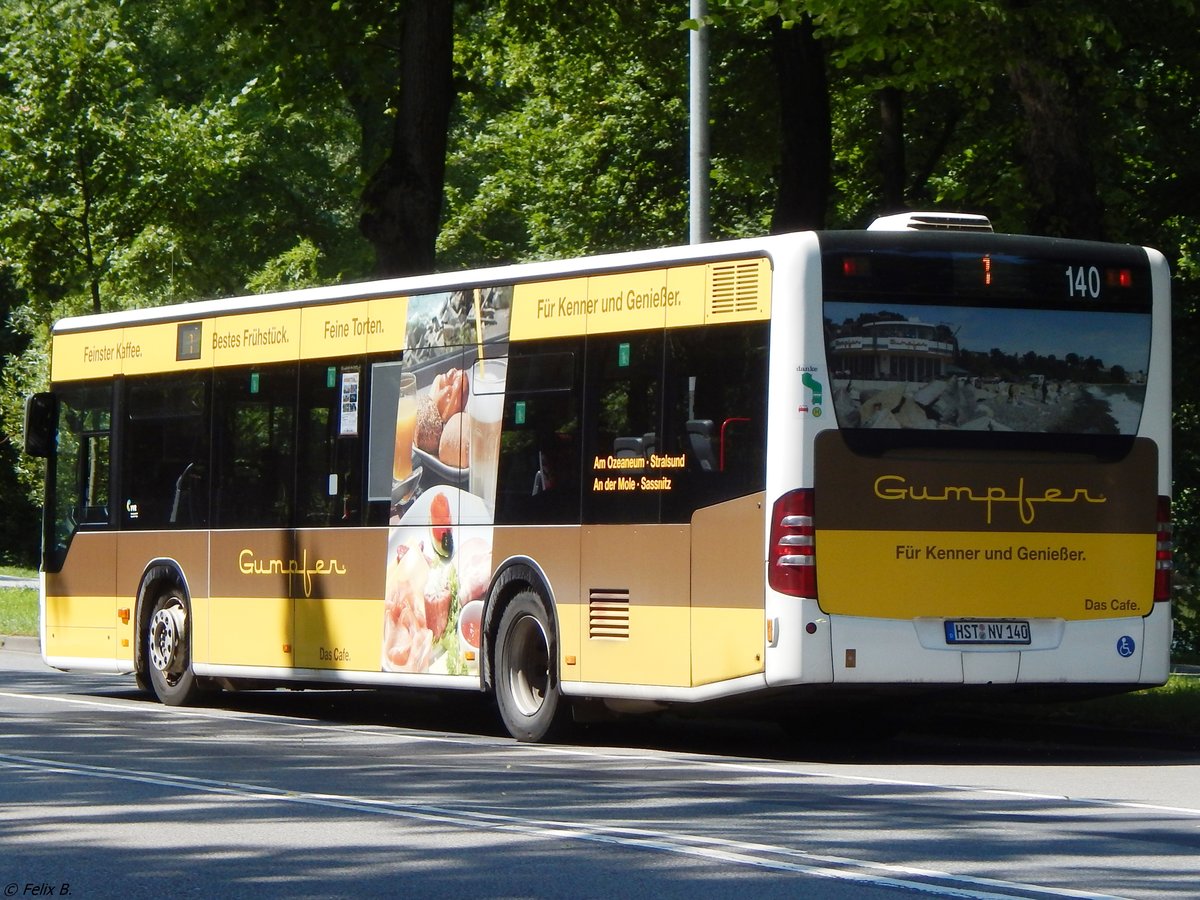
<point x="608" y="613"/>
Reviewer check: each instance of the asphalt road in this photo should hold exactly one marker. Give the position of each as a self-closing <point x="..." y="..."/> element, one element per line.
<point x="294" y="794"/>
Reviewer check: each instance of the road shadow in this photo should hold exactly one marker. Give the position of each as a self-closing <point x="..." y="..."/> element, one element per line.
<point x="930" y="732"/>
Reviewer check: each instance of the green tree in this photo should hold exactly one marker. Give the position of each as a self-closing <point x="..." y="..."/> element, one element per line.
<point x="391" y="63"/>
<point x="142" y="167"/>
<point x="567" y="138"/>
<point x="402" y="200"/>
<point x="79" y="161"/>
<point x="19" y="526"/>
<point x="570" y="134"/>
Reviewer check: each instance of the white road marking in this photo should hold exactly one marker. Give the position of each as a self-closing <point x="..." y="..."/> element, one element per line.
<point x="396" y="735"/>
<point x="755" y="855"/>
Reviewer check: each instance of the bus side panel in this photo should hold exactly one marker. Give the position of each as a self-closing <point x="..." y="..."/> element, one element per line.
<point x="800" y="407"/>
<point x="339" y="598"/>
<point x="728" y="587"/>
<point x="636" y="579"/>
<point x="252" y="617"/>
<point x="1156" y="413"/>
<point x="1155" y="652"/>
<point x="134" y="552"/>
<point x="555" y="550"/>
<point x="81" y="603"/>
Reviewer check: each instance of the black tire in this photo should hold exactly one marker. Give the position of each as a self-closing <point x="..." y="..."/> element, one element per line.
<point x="526" y="671"/>
<point x="169" y="650"/>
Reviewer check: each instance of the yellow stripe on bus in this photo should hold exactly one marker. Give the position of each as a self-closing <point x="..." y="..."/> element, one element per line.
<point x="64" y="641"/>
<point x="727" y="642"/>
<point x="82" y="611"/>
<point x="251" y="631"/>
<point x="82" y="627"/>
<point x="905" y="574"/>
<point x="642" y="300"/>
<point x="252" y="338"/>
<point x="639" y="300"/>
<point x="339" y="634"/>
<point x="657" y="652"/>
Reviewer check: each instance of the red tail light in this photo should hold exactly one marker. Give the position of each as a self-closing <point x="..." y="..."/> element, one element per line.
<point x="792" y="564"/>
<point x="1164" y="552"/>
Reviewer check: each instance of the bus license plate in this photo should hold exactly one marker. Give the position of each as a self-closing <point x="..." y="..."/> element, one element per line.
<point x="983" y="631"/>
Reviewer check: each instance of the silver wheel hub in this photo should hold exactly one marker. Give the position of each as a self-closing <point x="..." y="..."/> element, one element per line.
<point x="167" y="638"/>
<point x="529" y="672"/>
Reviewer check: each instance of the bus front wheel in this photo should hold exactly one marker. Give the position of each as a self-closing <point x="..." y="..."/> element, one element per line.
<point x="526" y="674"/>
<point x="168" y="651"/>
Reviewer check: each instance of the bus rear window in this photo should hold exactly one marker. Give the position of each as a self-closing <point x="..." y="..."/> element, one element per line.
<point x="1041" y="371"/>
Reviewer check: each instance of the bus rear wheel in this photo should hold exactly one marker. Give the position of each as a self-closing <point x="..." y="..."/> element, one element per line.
<point x="527" y="691"/>
<point x="169" y="651"/>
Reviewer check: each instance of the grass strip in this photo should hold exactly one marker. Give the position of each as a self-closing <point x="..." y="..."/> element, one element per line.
<point x="19" y="611"/>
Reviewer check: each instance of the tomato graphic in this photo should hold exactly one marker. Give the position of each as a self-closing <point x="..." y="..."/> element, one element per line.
<point x="439" y="519"/>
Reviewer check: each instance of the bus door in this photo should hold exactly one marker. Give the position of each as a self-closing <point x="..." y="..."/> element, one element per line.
<point x="635" y="569"/>
<point x="253" y="553"/>
<point x="716" y="389"/>
<point x="79" y="545"/>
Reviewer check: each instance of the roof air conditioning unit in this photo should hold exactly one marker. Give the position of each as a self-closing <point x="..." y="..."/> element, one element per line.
<point x="931" y="221"/>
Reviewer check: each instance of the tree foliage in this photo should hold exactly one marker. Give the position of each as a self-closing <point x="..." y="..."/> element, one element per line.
<point x="566" y="135"/>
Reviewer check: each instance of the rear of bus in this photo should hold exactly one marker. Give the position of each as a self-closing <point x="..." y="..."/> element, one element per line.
<point x="977" y="486"/>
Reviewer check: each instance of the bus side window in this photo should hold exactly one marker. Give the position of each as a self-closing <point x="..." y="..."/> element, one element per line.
<point x="78" y="494"/>
<point x="328" y="446"/>
<point x="623" y="408"/>
<point x="700" y="445"/>
<point x="254" y="447"/>
<point x="538" y="480"/>
<point x="716" y="402"/>
<point x="165" y="456"/>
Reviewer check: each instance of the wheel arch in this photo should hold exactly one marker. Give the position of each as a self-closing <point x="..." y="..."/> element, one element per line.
<point x="514" y="575"/>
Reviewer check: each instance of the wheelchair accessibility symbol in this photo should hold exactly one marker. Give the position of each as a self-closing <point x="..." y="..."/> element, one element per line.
<point x="1125" y="646"/>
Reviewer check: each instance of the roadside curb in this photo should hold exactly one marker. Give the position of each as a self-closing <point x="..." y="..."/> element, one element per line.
<point x="19" y="644"/>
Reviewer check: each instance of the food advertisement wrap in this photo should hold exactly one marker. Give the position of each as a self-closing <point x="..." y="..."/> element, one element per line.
<point x="449" y="400"/>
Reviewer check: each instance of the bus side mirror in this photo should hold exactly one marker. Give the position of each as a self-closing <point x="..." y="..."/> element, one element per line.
<point x="41" y="424"/>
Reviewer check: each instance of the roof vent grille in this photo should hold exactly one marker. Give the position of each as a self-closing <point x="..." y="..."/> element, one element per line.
<point x="734" y="288"/>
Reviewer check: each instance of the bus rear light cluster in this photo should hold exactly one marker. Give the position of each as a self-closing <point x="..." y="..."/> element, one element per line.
<point x="791" y="566"/>
<point x="1164" y="552"/>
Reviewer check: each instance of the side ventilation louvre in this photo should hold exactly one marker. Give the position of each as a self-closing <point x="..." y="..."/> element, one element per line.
<point x="734" y="288"/>
<point x="608" y="613"/>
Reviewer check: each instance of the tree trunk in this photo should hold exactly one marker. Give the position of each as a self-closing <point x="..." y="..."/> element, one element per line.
<point x="891" y="149"/>
<point x="805" y="129"/>
<point x="1060" y="174"/>
<point x="402" y="202"/>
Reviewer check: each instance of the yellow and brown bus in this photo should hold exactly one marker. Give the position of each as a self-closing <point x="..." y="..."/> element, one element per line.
<point x="896" y="458"/>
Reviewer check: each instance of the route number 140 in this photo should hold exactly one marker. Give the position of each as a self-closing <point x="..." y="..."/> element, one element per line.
<point x="1083" y="281"/>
